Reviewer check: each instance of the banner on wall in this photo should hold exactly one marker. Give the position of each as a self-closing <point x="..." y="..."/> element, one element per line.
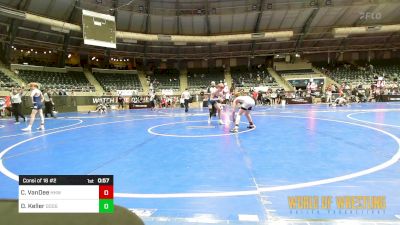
<point x="391" y="98"/>
<point x="307" y="100"/>
<point x="139" y="105"/>
<point x="127" y="92"/>
<point x="167" y="92"/>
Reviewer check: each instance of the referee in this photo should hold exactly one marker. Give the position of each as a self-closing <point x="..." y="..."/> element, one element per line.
<point x="48" y="103"/>
<point x="16" y="101"/>
<point x="186" y="97"/>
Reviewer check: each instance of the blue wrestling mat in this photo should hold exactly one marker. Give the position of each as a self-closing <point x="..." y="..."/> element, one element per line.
<point x="303" y="164"/>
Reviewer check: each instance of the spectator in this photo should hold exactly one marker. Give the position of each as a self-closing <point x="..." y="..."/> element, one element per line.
<point x="328" y="93"/>
<point x="186" y="97"/>
<point x="48" y="104"/>
<point x="120" y="102"/>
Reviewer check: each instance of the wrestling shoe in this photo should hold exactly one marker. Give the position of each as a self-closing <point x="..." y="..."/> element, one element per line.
<point x="27" y="129"/>
<point x="251" y="126"/>
<point x="234" y="130"/>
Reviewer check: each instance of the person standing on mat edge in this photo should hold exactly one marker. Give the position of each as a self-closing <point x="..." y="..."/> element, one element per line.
<point x="186" y="97"/>
<point x="120" y="102"/>
<point x="16" y="95"/>
<point x="37" y="101"/>
<point x="216" y="98"/>
<point x="48" y="103"/>
<point x="152" y="99"/>
<point x="246" y="103"/>
<point x="211" y="108"/>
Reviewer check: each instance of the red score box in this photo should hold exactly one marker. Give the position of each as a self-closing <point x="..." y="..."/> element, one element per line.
<point x="106" y="192"/>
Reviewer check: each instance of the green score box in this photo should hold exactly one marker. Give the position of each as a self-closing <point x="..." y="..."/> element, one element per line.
<point x="106" y="206"/>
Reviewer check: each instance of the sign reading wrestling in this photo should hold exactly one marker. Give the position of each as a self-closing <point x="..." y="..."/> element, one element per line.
<point x="98" y="29"/>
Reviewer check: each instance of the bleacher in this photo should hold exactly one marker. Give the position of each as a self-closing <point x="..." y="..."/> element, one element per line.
<point x="6" y="83"/>
<point x="199" y="79"/>
<point x="347" y="75"/>
<point x="118" y="81"/>
<point x="68" y="81"/>
<point x="390" y="71"/>
<point x="364" y="75"/>
<point x="256" y="76"/>
<point x="165" y="79"/>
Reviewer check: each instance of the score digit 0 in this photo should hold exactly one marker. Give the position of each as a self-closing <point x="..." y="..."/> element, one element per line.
<point x="106" y="192"/>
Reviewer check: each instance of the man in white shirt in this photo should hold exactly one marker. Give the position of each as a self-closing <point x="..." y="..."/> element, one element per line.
<point x="211" y="108"/>
<point x="16" y="101"/>
<point x="186" y="97"/>
<point x="380" y="88"/>
<point x="152" y="99"/>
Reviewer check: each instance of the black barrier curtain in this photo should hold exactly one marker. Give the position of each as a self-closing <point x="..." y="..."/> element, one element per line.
<point x="61" y="104"/>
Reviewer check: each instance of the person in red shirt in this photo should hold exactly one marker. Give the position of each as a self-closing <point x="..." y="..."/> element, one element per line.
<point x="8" y="101"/>
<point x="163" y="102"/>
<point x="342" y="89"/>
<point x="255" y="96"/>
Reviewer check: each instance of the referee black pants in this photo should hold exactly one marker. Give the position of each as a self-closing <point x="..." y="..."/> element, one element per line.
<point x="186" y="103"/>
<point x="17" y="110"/>
<point x="48" y="109"/>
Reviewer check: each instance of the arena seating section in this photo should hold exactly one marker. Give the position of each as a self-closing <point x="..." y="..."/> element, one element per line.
<point x="6" y="83"/>
<point x="165" y="79"/>
<point x="356" y="74"/>
<point x="70" y="81"/>
<point x="118" y="81"/>
<point x="342" y="74"/>
<point x="199" y="79"/>
<point x="245" y="77"/>
<point x="392" y="71"/>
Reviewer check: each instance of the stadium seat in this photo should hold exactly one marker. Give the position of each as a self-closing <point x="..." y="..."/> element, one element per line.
<point x="70" y="81"/>
<point x="6" y="83"/>
<point x="118" y="81"/>
<point x="165" y="79"/>
<point x="199" y="79"/>
<point x="253" y="77"/>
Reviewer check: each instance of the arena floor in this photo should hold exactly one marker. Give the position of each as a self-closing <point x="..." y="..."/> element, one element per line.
<point x="175" y="168"/>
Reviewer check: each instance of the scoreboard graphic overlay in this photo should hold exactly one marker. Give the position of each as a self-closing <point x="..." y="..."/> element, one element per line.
<point x="66" y="194"/>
